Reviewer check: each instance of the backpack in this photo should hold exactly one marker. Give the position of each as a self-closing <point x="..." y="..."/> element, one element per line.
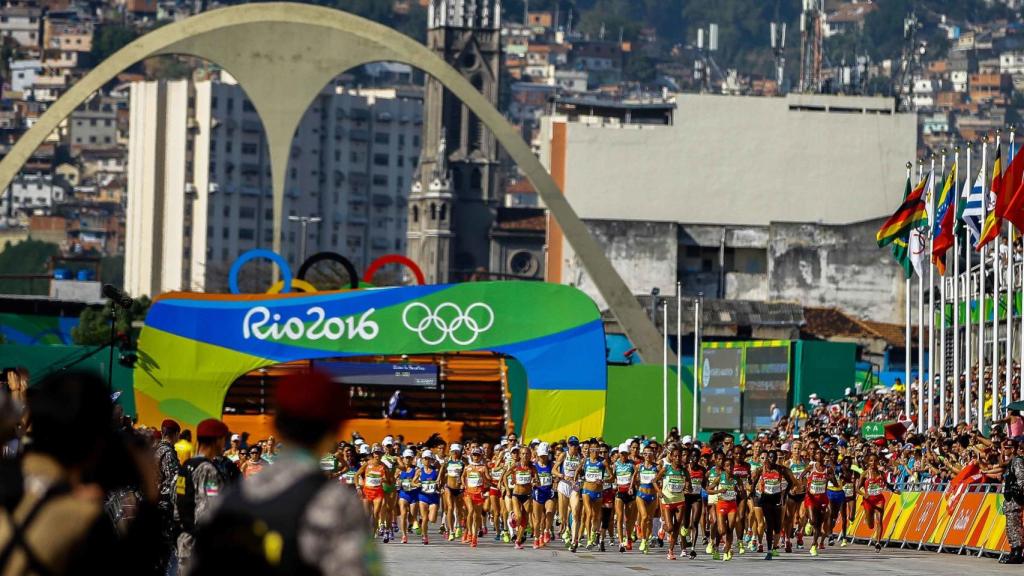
<point x="185" y="494"/>
<point x="256" y="539"/>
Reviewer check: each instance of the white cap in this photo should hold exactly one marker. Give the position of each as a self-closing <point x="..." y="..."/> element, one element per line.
<point x="785" y="447"/>
<point x="849" y="391"/>
<point x="236" y="438"/>
<point x="624" y="447"/>
<point x="542" y="449"/>
<point x="535" y="441"/>
<point x="358" y="442"/>
<point x="813" y="395"/>
<point x="388" y="441"/>
<point x="428" y="454"/>
<point x="687" y="439"/>
<point x="456" y="448"/>
<point x="364" y="448"/>
<point x="408" y="453"/>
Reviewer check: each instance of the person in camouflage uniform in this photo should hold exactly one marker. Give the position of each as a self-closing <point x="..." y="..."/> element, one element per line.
<point x="167" y="470"/>
<point x="1013" y="502"/>
<point x="210" y="474"/>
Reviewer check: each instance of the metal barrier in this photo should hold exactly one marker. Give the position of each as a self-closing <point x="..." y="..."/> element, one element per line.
<point x="926" y="517"/>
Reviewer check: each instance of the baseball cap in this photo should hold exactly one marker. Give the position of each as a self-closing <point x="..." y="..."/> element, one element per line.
<point x="687" y="439"/>
<point x="388" y="441"/>
<point x="170" y="425"/>
<point x="574" y="440"/>
<point x="377" y="448"/>
<point x="408" y="453"/>
<point x="428" y="454"/>
<point x="236" y="438"/>
<point x="456" y="448"/>
<point x="624" y="447"/>
<point x="477" y="450"/>
<point x="211" y="428"/>
<point x="364" y="448"/>
<point x="514" y="448"/>
<point x="785" y="447"/>
<point x="534" y="442"/>
<point x="359" y="442"/>
<point x="542" y="449"/>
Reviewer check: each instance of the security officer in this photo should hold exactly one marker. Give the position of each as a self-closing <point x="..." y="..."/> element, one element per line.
<point x="258" y="528"/>
<point x="167" y="472"/>
<point x="199" y="483"/>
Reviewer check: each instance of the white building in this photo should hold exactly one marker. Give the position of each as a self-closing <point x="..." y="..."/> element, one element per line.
<point x="30" y="194"/>
<point x="23" y="24"/>
<point x="1011" y="63"/>
<point x="23" y="74"/>
<point x="200" y="191"/>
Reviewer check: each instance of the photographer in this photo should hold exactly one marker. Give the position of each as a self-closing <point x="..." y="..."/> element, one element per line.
<point x="57" y="523"/>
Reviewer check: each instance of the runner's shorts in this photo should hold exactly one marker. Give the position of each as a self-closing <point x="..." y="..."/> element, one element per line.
<point x="542" y="495"/>
<point x="872" y="503"/>
<point x="836" y="497"/>
<point x="566" y="489"/>
<point x="726" y="506"/>
<point x="819" y="501"/>
<point x="626" y="497"/>
<point x="477" y="498"/>
<point x="430" y="499"/>
<point x="371" y="494"/>
<point x="645" y="497"/>
<point x="410" y="497"/>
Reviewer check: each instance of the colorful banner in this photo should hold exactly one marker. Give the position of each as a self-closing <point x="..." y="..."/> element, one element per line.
<point x="914" y="519"/>
<point x="194" y="346"/>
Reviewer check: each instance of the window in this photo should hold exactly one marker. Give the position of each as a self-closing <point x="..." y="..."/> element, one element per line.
<point x="401" y="161"/>
<point x="247" y="213"/>
<point x="108" y="122"/>
<point x="401" y="139"/>
<point x="247" y="106"/>
<point x="231" y="104"/>
<point x="246" y="233"/>
<point x="380" y="180"/>
<point x="381" y="160"/>
<point x="416" y="140"/>
<point x="382" y="138"/>
<point x="92" y="122"/>
<point x="227" y="211"/>
<point x="268" y="214"/>
<point x="249" y="148"/>
<point x="353" y="157"/>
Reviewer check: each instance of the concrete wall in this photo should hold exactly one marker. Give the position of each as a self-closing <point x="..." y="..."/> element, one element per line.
<point x="835" y="266"/>
<point x="743" y="160"/>
<point x="643" y="253"/>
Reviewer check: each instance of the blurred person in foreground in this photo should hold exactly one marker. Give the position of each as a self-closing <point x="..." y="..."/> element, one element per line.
<point x="290" y="519"/>
<point x="53" y="519"/>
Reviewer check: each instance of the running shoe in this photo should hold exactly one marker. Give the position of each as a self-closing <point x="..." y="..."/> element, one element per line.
<point x="799" y="542"/>
<point x="878" y="547"/>
<point x="405" y="539"/>
<point x="519" y="545"/>
<point x="728" y="556"/>
<point x="742" y="549"/>
<point x="843" y="543"/>
<point x="426" y="540"/>
<point x="684" y="532"/>
<point x="716" y="555"/>
<point x="692" y="555"/>
<point x="629" y="544"/>
<point x="760" y="548"/>
<point x="789" y="546"/>
<point x="643" y="545"/>
<point x="497" y="536"/>
<point x="574" y="547"/>
<point x="565" y="535"/>
<point x="814" y="550"/>
<point x="387" y="538"/>
<point x="458" y="532"/>
<point x="661" y="543"/>
<point x="483" y="532"/>
<point x="709" y="549"/>
<point x="473" y="545"/>
<point x="506" y="537"/>
<point x="622" y="549"/>
<point x="775" y="552"/>
<point x="671" y="555"/>
<point x="536" y="544"/>
<point x="768" y="556"/>
<point x="831" y="540"/>
<point x="451" y="536"/>
<point x="601" y="545"/>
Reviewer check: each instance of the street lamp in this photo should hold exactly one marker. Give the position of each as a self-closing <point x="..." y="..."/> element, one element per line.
<point x="304" y="221"/>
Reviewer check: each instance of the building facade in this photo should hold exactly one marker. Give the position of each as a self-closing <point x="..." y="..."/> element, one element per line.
<point x="199" y="180"/>
<point x="458" y="169"/>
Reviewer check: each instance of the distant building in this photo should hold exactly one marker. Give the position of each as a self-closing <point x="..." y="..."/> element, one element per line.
<point x="736" y="197"/>
<point x="199" y="180"/>
<point x="23" y="24"/>
<point x="30" y="194"/>
<point x="23" y="75"/>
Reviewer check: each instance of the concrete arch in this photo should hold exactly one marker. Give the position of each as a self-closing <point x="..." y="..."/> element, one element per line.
<point x="283" y="54"/>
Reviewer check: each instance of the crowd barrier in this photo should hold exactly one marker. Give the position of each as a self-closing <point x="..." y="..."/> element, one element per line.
<point x="925" y="517"/>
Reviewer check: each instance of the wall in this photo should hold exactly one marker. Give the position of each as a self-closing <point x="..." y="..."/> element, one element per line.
<point x="744" y="160"/>
<point x="635" y="400"/>
<point x="835" y="266"/>
<point x="822" y="368"/>
<point x="643" y="253"/>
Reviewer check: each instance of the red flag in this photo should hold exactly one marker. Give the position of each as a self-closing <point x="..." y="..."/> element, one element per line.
<point x="971" y="474"/>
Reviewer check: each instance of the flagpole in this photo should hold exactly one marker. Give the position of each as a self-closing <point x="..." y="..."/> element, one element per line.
<point x="697" y="305"/>
<point x="664" y="367"/>
<point x="907" y="336"/>
<point x="956" y="300"/>
<point x="942" y="321"/>
<point x="1009" y="289"/>
<point x="931" y="299"/>
<point x="679" y="359"/>
<point x="920" y="331"/>
<point x="995" y="308"/>
<point x="981" y="291"/>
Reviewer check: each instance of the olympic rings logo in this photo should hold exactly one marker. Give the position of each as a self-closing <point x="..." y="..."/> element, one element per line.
<point x="448" y="321"/>
<point x="287" y="282"/>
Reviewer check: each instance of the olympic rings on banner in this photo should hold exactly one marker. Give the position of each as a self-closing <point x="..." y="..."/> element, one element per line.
<point x="282" y="264"/>
<point x="434" y="326"/>
<point x="353" y="276"/>
<point x="286" y="283"/>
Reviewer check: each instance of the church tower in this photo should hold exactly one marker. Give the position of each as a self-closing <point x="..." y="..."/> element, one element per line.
<point x="454" y="195"/>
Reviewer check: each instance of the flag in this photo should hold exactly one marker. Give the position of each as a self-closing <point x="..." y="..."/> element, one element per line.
<point x="911" y="214"/>
<point x="942" y="231"/>
<point x="994" y="219"/>
<point x="917" y="247"/>
<point x="1014" y="211"/>
<point x="901" y="245"/>
<point x="973" y="197"/>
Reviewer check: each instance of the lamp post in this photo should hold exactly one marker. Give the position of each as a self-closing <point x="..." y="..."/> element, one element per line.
<point x="304" y="221"/>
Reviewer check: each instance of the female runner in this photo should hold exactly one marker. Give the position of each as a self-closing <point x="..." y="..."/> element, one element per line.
<point x="476" y="480"/>
<point x="372" y="476"/>
<point x="593" y="485"/>
<point x="426" y="480"/>
<point x="543" y="498"/>
<point x="408" y="493"/>
<point x="727" y="487"/>
<point x="499" y="512"/>
<point x="567" y="470"/>
<point x="646" y="474"/>
<point x="695" y="496"/>
<point x="818" y="476"/>
<point x="524" y="477"/>
<point x="770" y="481"/>
<point x="625" y="498"/>
<point x="872" y="486"/>
<point x="454" y="505"/>
<point x="673" y="479"/>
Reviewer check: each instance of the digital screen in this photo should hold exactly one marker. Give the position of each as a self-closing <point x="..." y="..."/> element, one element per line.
<point x="720" y="390"/>
<point x="368" y="374"/>
<point x="766" y="382"/>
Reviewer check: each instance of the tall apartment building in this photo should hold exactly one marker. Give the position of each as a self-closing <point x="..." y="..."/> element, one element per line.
<point x="199" y="181"/>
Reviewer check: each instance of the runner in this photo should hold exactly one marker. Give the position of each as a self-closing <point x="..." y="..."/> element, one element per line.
<point x="838" y="493"/>
<point x="771" y="481"/>
<point x="524" y="476"/>
<point x="426" y="480"/>
<point x="348" y="467"/>
<point x="593" y="485"/>
<point x="871" y="490"/>
<point x="646" y="494"/>
<point x="372" y="477"/>
<point x="408" y="493"/>
<point x="711" y="506"/>
<point x="727" y="487"/>
<point x="454" y="505"/>
<point x="793" y="516"/>
<point x="818" y="476"/>
<point x="567" y="470"/>
<point x="476" y="481"/>
<point x="741" y="470"/>
<point x="673" y="479"/>
<point x="625" y="498"/>
<point x="543" y="498"/>
<point x="755" y="521"/>
<point x="695" y="496"/>
<point x="498" y="510"/>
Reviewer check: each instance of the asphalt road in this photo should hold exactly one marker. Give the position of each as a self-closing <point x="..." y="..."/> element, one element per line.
<point x="452" y="559"/>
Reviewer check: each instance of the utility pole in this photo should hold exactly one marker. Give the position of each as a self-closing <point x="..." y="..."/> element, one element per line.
<point x="811" y="45"/>
<point x="779" y="50"/>
<point x="304" y="222"/>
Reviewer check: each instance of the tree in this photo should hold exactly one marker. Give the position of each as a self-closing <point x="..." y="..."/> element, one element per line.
<point x="27" y="257"/>
<point x="94" y="323"/>
<point x="109" y="39"/>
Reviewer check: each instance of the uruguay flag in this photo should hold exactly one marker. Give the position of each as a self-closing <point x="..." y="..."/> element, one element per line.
<point x="973" y="213"/>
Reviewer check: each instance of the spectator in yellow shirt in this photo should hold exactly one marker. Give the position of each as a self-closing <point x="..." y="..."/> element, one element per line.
<point x="184" y="446"/>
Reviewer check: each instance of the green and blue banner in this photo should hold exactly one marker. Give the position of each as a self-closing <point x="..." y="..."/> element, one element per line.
<point x="194" y="346"/>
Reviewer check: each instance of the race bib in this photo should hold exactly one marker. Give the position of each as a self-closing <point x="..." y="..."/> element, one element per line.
<point x="545" y="478"/>
<point x="772" y="486"/>
<point x="592" y="476"/>
<point x="695" y="485"/>
<point x="523" y="478"/>
<point x="623" y="479"/>
<point x="647" y="477"/>
<point x="349" y="478"/>
<point x="496" y="474"/>
<point x="406" y="485"/>
<point x="454" y="470"/>
<point x="874" y="489"/>
<point x="373" y="481"/>
<point x="817" y="486"/>
<point x="429" y="487"/>
<point x="675" y="484"/>
<point x="848" y="490"/>
<point x="729" y="495"/>
<point x="474" y="480"/>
